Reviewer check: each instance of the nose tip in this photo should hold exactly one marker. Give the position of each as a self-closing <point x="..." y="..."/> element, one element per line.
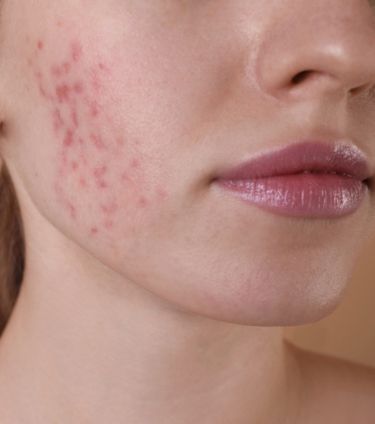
<point x="321" y="55"/>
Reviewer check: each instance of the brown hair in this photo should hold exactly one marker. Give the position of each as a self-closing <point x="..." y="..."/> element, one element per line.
<point x="12" y="247"/>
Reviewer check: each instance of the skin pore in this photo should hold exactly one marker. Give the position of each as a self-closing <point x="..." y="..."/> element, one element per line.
<point x="148" y="295"/>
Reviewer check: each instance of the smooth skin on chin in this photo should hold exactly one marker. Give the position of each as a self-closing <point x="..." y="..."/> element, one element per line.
<point x="149" y="293"/>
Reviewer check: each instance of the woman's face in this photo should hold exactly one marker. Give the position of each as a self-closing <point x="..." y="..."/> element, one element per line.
<point x="119" y="114"/>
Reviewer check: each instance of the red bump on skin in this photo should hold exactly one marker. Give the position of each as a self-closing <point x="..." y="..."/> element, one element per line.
<point x="97" y="140"/>
<point x="94" y="110"/>
<point x="78" y="87"/>
<point x="74" y="117"/>
<point x="110" y="208"/>
<point x="40" y="45"/>
<point x="65" y="67"/>
<point x="82" y="182"/>
<point x="108" y="224"/>
<point x="142" y="202"/>
<point x="76" y="50"/>
<point x="93" y="231"/>
<point x="62" y="92"/>
<point x="57" y="120"/>
<point x="100" y="171"/>
<point x="68" y="140"/>
<point x="135" y="163"/>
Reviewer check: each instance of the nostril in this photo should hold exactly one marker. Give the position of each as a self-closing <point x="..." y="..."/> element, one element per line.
<point x="301" y="76"/>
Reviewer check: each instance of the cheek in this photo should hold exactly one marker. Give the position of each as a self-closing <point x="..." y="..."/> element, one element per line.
<point x="100" y="175"/>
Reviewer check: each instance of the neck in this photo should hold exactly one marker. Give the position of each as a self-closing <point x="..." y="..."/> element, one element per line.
<point x="97" y="348"/>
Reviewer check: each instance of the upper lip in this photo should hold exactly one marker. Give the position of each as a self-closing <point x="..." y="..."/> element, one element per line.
<point x="341" y="158"/>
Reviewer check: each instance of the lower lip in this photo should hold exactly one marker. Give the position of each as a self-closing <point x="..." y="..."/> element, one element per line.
<point x="301" y="195"/>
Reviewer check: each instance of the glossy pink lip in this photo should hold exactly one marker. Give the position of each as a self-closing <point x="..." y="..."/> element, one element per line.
<point x="306" y="156"/>
<point x="309" y="179"/>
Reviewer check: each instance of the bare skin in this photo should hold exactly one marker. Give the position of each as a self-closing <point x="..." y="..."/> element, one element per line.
<point x="148" y="294"/>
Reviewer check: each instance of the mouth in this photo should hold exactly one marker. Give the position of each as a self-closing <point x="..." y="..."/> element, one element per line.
<point x="310" y="179"/>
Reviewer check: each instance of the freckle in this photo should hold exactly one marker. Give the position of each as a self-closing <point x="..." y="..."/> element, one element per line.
<point x="76" y="50"/>
<point x="40" y="45"/>
<point x="142" y="202"/>
<point x="68" y="140"/>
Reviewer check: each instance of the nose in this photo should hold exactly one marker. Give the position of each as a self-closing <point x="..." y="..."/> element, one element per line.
<point x="318" y="47"/>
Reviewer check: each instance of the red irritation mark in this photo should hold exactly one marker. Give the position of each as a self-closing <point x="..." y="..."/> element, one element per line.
<point x="135" y="163"/>
<point x="76" y="50"/>
<point x="142" y="202"/>
<point x="93" y="231"/>
<point x="78" y="87"/>
<point x="103" y="67"/>
<point x="108" y="224"/>
<point x="68" y="140"/>
<point x="74" y="165"/>
<point x="97" y="140"/>
<point x="100" y="171"/>
<point x="57" y="120"/>
<point x="101" y="184"/>
<point x="80" y="140"/>
<point x="120" y="141"/>
<point x="72" y="210"/>
<point x="40" y="45"/>
<point x="65" y="67"/>
<point x="82" y="182"/>
<point x="73" y="115"/>
<point x="62" y="92"/>
<point x="94" y="109"/>
<point x="125" y="177"/>
<point x="56" y="71"/>
<point x="162" y="193"/>
<point x="110" y="208"/>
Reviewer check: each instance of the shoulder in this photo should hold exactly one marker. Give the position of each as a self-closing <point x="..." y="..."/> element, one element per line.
<point x="337" y="389"/>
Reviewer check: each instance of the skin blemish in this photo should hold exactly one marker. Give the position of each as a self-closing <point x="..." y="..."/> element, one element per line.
<point x="142" y="202"/>
<point x="82" y="182"/>
<point x="58" y="122"/>
<point x="68" y="139"/>
<point x="74" y="117"/>
<point x="162" y="194"/>
<point x="93" y="231"/>
<point x="97" y="141"/>
<point x="63" y="92"/>
<point x="40" y="45"/>
<point x="78" y="87"/>
<point x="76" y="51"/>
<point x="74" y="165"/>
<point x="110" y="208"/>
<point x="108" y="224"/>
<point x="93" y="108"/>
<point x="100" y="171"/>
<point x="135" y="163"/>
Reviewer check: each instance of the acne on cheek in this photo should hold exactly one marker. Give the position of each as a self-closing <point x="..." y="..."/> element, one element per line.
<point x="89" y="146"/>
